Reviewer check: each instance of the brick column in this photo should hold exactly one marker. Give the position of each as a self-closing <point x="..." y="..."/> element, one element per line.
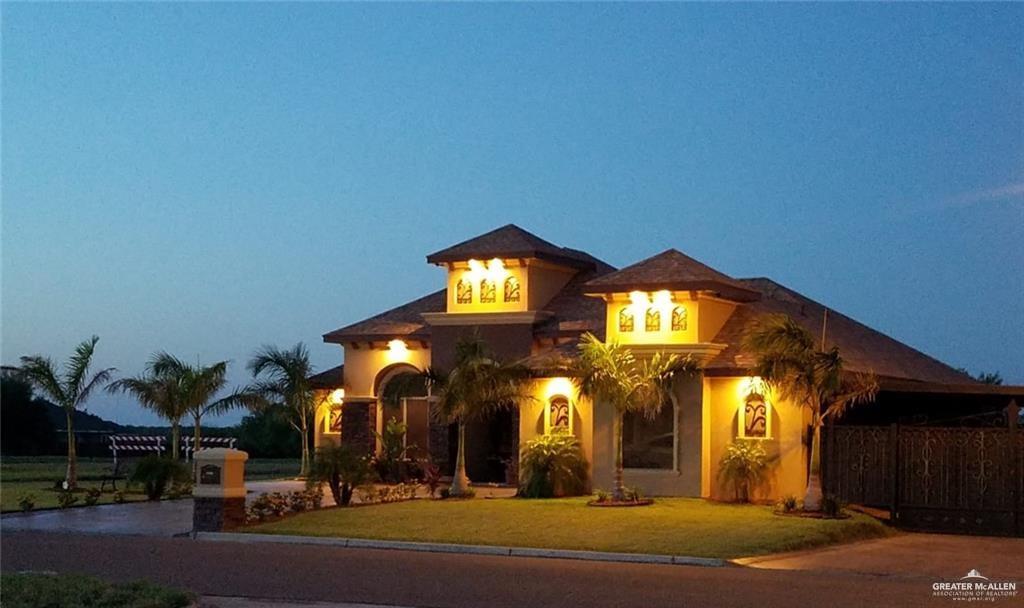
<point x="358" y="424"/>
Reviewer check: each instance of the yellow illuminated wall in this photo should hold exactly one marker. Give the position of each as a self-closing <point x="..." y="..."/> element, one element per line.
<point x="533" y="419"/>
<point x="724" y="399"/>
<point x="704" y="317"/>
<point x="537" y="282"/>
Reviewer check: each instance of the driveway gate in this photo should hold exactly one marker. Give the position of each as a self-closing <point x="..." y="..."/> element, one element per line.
<point x="965" y="480"/>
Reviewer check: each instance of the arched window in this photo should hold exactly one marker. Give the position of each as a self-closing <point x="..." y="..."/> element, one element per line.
<point x="488" y="293"/>
<point x="754" y="422"/>
<point x="464" y="292"/>
<point x="559" y="414"/>
<point x="625" y="320"/>
<point x="678" y="318"/>
<point x="511" y="289"/>
<point x="652" y="320"/>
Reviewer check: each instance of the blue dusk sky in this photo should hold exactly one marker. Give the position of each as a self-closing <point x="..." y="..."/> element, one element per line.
<point x="206" y="178"/>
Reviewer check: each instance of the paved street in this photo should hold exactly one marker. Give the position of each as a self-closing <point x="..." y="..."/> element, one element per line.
<point x="329" y="574"/>
<point x="929" y="555"/>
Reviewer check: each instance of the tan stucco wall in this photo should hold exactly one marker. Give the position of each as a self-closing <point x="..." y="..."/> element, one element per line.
<point x="788" y="423"/>
<point x="685" y="478"/>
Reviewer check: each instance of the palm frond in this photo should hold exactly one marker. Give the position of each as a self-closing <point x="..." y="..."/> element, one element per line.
<point x="41" y="373"/>
<point x="78" y="368"/>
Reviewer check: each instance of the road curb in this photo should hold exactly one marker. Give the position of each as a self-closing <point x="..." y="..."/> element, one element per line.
<point x="399" y="545"/>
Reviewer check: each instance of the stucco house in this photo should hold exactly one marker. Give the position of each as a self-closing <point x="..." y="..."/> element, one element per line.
<point x="526" y="297"/>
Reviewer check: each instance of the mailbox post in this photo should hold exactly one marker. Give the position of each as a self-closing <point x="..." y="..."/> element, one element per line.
<point x="219" y="493"/>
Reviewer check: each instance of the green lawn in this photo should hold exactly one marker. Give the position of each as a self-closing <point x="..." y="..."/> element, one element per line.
<point x="675" y="526"/>
<point x="34" y="590"/>
<point x="36" y="476"/>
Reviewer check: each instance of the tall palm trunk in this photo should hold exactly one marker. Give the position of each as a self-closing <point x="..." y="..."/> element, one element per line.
<point x="175" y="438"/>
<point x="197" y="435"/>
<point x="304" y="469"/>
<point x="812" y="499"/>
<point x="618" y="490"/>
<point x="460" y="482"/>
<point x="71" y="478"/>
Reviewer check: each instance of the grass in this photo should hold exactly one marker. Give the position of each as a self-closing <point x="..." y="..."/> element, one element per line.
<point x="36" y="476"/>
<point x="33" y="590"/>
<point x="674" y="526"/>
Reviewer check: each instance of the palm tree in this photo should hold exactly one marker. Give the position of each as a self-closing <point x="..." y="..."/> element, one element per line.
<point x="199" y="386"/>
<point x="164" y="394"/>
<point x="282" y="376"/>
<point x="476" y="386"/>
<point x="787" y="359"/>
<point x="69" y="390"/>
<point x="610" y="373"/>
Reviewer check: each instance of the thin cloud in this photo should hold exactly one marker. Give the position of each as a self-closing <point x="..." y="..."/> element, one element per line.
<point x="1009" y="191"/>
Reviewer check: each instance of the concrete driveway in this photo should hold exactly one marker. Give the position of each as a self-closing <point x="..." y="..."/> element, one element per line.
<point x="164" y="518"/>
<point x="936" y="556"/>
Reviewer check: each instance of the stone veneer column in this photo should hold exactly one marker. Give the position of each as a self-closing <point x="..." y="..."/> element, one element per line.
<point x="358" y="424"/>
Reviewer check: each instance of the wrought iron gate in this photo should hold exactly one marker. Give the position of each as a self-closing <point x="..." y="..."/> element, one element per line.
<point x="966" y="480"/>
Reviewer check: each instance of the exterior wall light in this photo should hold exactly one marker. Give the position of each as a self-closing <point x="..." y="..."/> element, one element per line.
<point x="337" y="396"/>
<point x="398" y="351"/>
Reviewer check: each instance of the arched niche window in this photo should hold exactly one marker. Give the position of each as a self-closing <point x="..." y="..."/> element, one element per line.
<point x="754" y="417"/>
<point x="625" y="320"/>
<point x="488" y="293"/>
<point x="464" y="292"/>
<point x="652" y="320"/>
<point x="511" y="289"/>
<point x="678" y="318"/>
<point x="559" y="415"/>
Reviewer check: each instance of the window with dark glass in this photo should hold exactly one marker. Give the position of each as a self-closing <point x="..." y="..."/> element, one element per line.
<point x="625" y="320"/>
<point x="649" y="442"/>
<point x="652" y="320"/>
<point x="678" y="318"/>
<point x="511" y="289"/>
<point x="464" y="292"/>
<point x="488" y="293"/>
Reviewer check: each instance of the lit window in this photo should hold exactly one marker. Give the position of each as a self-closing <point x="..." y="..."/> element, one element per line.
<point x="625" y="320"/>
<point x="678" y="318"/>
<point x="511" y="289"/>
<point x="464" y="292"/>
<point x="652" y="320"/>
<point x="558" y="414"/>
<point x="488" y="293"/>
<point x="334" y="420"/>
<point x="754" y="422"/>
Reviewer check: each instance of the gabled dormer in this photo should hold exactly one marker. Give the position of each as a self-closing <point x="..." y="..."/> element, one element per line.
<point x="668" y="300"/>
<point x="507" y="270"/>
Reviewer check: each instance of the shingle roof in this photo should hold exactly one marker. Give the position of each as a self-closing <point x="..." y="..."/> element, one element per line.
<point x="511" y="241"/>
<point x="863" y="349"/>
<point x="329" y="378"/>
<point x="671" y="269"/>
<point x="403" y="321"/>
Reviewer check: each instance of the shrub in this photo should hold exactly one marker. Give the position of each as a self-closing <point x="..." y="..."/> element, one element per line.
<point x="602" y="496"/>
<point x="552" y="465"/>
<point x="27" y="502"/>
<point x="156" y="473"/>
<point x="30" y="590"/>
<point x="342" y="470"/>
<point x="119" y="497"/>
<point x="432" y="478"/>
<point x="633" y="494"/>
<point x="832" y="506"/>
<point x="744" y="465"/>
<point x="66" y="499"/>
<point x="92" y="496"/>
<point x="788" y="504"/>
<point x="397" y="493"/>
<point x="444" y="493"/>
<point x="389" y="463"/>
<point x="266" y="505"/>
